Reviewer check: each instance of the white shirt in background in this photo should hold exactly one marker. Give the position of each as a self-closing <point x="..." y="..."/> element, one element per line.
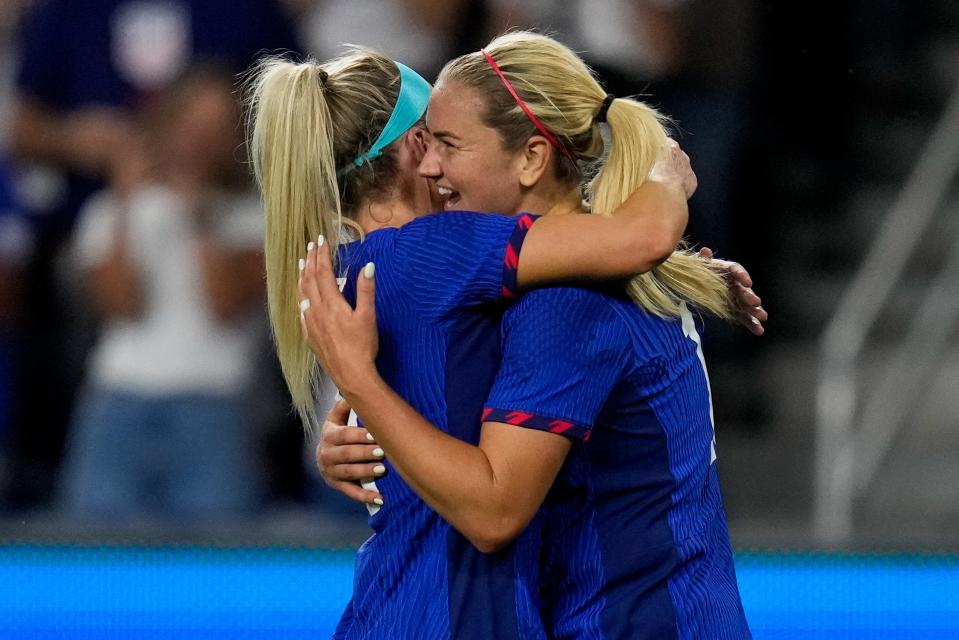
<point x="176" y="345"/>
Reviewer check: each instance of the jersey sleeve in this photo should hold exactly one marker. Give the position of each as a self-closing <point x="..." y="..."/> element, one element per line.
<point x="564" y="350"/>
<point x="460" y="259"/>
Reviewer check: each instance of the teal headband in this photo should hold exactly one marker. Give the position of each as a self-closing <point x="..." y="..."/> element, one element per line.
<point x="409" y="109"/>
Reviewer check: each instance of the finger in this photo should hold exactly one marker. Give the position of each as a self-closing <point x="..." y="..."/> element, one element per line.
<point x="746" y="297"/>
<point x="760" y="314"/>
<point x="751" y="323"/>
<point x="706" y="253"/>
<point x="309" y="290"/>
<point x="358" y="493"/>
<point x="350" y="454"/>
<point x="740" y="274"/>
<point x="324" y="277"/>
<point x="365" y="294"/>
<point x="335" y="435"/>
<point x="354" y="472"/>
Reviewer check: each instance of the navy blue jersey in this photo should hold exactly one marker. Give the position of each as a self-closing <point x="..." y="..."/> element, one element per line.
<point x="635" y="538"/>
<point x="440" y="284"/>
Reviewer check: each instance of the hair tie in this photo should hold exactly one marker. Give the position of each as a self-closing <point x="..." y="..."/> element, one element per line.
<point x="522" y="105"/>
<point x="604" y="108"/>
<point x="324" y="76"/>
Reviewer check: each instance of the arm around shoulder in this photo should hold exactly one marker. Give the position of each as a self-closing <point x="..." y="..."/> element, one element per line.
<point x="642" y="233"/>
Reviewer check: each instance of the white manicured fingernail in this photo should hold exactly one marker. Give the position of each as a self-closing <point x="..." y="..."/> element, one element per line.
<point x="320" y="240"/>
<point x="369" y="436"/>
<point x="754" y="320"/>
<point x="304" y="304"/>
<point x="378" y="453"/>
<point x="310" y="247"/>
<point x="379" y="469"/>
<point x="378" y="502"/>
<point x="368" y="270"/>
<point x="302" y="264"/>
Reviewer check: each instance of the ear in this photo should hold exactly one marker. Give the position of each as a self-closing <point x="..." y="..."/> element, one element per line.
<point x="417" y="140"/>
<point x="536" y="157"/>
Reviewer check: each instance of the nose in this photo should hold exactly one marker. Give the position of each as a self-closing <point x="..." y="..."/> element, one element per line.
<point x="430" y="164"/>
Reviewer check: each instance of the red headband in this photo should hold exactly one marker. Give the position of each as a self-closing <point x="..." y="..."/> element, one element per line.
<point x="522" y="105"/>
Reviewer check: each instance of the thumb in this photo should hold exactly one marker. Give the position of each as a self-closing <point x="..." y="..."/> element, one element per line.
<point x="340" y="413"/>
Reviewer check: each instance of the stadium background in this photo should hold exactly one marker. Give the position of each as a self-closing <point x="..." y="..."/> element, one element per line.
<point x="824" y="140"/>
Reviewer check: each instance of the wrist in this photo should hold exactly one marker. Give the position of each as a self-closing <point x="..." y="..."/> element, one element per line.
<point x="669" y="184"/>
<point x="358" y="383"/>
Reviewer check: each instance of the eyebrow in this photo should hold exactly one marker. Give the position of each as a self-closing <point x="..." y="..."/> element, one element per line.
<point x="443" y="134"/>
<point x="438" y="134"/>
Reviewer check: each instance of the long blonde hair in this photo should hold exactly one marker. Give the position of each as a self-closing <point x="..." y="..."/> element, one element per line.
<point x="306" y="121"/>
<point x="562" y="92"/>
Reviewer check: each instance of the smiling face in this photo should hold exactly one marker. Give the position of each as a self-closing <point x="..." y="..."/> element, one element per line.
<point x="467" y="158"/>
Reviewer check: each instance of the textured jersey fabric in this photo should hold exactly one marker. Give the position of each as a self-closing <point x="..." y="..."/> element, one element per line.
<point x="440" y="284"/>
<point x="636" y="543"/>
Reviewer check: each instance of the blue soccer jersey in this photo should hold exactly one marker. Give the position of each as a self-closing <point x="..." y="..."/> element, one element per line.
<point x="635" y="538"/>
<point x="440" y="284"/>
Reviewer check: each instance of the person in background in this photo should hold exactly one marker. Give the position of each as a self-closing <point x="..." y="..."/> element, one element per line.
<point x="172" y="256"/>
<point x="424" y="33"/>
<point x="85" y="68"/>
<point x="16" y="247"/>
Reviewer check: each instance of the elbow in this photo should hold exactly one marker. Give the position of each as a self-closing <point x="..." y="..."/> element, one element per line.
<point x="652" y="250"/>
<point x="493" y="535"/>
<point x="649" y="245"/>
<point x="663" y="247"/>
<point x="671" y="232"/>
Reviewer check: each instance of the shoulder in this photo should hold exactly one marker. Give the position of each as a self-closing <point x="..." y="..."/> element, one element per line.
<point x="580" y="314"/>
<point x="460" y="222"/>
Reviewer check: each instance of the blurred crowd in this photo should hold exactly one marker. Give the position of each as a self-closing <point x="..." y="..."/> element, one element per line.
<point x="136" y="372"/>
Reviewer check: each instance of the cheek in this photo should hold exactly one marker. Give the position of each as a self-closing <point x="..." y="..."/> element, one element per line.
<point x="492" y="189"/>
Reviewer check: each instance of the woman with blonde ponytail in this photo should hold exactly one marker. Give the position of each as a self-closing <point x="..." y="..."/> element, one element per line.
<point x="336" y="148"/>
<point x="602" y="399"/>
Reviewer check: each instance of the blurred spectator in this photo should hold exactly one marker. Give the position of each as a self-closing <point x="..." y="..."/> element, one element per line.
<point x="16" y="242"/>
<point x="421" y="33"/>
<point x="10" y="14"/>
<point x="172" y="256"/>
<point x="16" y="246"/>
<point x="85" y="65"/>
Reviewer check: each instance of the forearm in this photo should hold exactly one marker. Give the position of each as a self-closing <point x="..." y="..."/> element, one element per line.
<point x="653" y="220"/>
<point x="454" y="478"/>
<point x="232" y="279"/>
<point x="37" y="135"/>
<point x="641" y="233"/>
<point x="117" y="288"/>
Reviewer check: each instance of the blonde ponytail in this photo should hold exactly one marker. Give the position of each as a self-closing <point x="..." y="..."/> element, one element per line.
<point x="306" y="121"/>
<point x="638" y="137"/>
<point x="294" y="166"/>
<point x="563" y="94"/>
